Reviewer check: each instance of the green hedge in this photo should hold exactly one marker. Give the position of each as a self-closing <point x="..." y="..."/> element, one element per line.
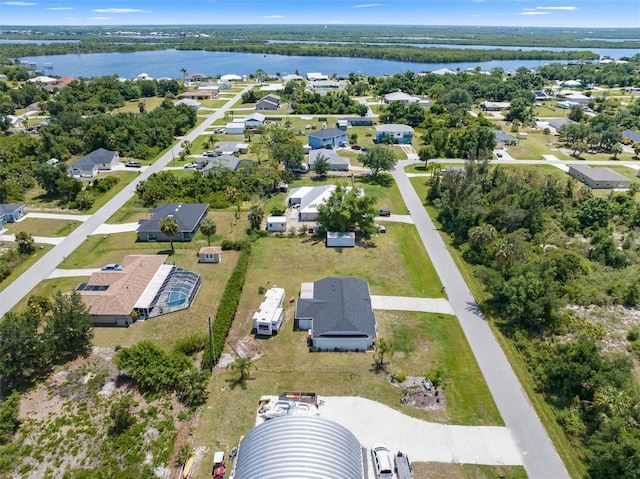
<point x="228" y="306"/>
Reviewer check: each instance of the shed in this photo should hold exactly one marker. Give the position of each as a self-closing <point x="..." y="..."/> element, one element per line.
<point x="277" y="223"/>
<point x="341" y="239"/>
<point x="210" y="254"/>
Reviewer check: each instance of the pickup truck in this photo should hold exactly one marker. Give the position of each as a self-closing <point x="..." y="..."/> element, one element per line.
<point x="133" y="164"/>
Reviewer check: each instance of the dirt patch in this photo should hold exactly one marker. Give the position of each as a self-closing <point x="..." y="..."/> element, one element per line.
<point x="420" y="393"/>
<point x="247" y="347"/>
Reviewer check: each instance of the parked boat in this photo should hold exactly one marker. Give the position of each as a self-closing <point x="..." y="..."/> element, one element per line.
<point x="187" y="470"/>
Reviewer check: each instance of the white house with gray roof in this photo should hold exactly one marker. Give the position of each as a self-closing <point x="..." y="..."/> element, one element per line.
<point x="336" y="162"/>
<point x="337" y="313"/>
<point x="90" y="165"/>
<point x="599" y="178"/>
<point x="402" y="134"/>
<point x="400" y="97"/>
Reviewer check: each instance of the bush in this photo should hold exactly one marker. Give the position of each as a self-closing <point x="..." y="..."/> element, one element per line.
<point x="278" y="210"/>
<point x="236" y="245"/>
<point x="189" y="345"/>
<point x="633" y="335"/>
<point x="399" y="377"/>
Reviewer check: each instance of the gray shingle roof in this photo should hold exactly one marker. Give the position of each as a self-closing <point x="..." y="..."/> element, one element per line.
<point x="339" y="305"/>
<point x="327" y="133"/>
<point x="394" y="127"/>
<point x="599" y="174"/>
<point x="188" y="215"/>
<point x="631" y="135"/>
<point x="9" y="208"/>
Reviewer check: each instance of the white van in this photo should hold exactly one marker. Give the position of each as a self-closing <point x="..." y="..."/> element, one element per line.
<point x="382" y="464"/>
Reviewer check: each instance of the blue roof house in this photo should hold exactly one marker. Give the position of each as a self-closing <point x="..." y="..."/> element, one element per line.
<point x="329" y="138"/>
<point x="10" y="213"/>
<point x="401" y="134"/>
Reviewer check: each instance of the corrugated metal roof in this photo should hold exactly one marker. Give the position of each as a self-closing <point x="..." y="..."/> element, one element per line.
<point x="295" y="447"/>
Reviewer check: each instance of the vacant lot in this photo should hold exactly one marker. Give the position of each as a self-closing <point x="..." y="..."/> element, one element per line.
<point x="43" y="227"/>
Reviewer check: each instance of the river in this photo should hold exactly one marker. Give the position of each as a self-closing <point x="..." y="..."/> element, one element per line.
<point x="169" y="63"/>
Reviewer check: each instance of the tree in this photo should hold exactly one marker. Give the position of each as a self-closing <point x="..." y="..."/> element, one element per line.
<point x="594" y="212"/>
<point x="21" y="350"/>
<point x="243" y="367"/>
<point x="347" y="210"/>
<point x="383" y="347"/>
<point x="68" y="330"/>
<point x="169" y="228"/>
<point x="379" y="159"/>
<point x="321" y="165"/>
<point x="576" y="113"/>
<point x="208" y="228"/>
<point x="26" y="244"/>
<point x="427" y="153"/>
<point x="616" y="149"/>
<point x="255" y="215"/>
<point x="289" y="154"/>
<point x="9" y="418"/>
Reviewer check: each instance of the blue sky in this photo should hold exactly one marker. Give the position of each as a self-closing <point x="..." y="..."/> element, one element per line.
<point x="543" y="13"/>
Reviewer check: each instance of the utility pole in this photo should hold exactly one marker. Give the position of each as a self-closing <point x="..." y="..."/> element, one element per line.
<point x="211" y="345"/>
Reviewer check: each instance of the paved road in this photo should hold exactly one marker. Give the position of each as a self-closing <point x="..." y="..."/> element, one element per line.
<point x="17" y="290"/>
<point x="540" y="457"/>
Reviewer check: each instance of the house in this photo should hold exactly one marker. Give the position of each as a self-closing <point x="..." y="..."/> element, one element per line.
<point x="98" y="160"/>
<point x="357" y="120"/>
<point x="558" y="123"/>
<point x="631" y="136"/>
<point x="327" y="138"/>
<point x="400" y="97"/>
<point x="402" y="134"/>
<point x="230" y="77"/>
<point x="210" y="254"/>
<point x="540" y="95"/>
<point x="277" y="224"/>
<point x="10" y="213"/>
<point x="342" y="125"/>
<point x="235" y="128"/>
<point x="577" y="98"/>
<point x="307" y="199"/>
<point x="443" y="71"/>
<point x="272" y="87"/>
<point x="341" y="239"/>
<point x="268" y="318"/>
<point x="189" y="102"/>
<point x="266" y="104"/>
<point x="292" y="77"/>
<point x="188" y="216"/>
<point x="337" y="313"/>
<point x="316" y="76"/>
<point x="336" y="162"/>
<point x="505" y="139"/>
<point x="230" y="148"/>
<point x="197" y="94"/>
<point x="324" y="85"/>
<point x="217" y="163"/>
<point x="598" y="178"/>
<point x="495" y="105"/>
<point x="145" y="287"/>
<point x="254" y="120"/>
<point x="195" y="77"/>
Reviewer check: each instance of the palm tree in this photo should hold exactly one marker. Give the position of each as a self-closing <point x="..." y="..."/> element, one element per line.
<point x="243" y="367"/>
<point x="208" y="228"/>
<point x="383" y="347"/>
<point x="617" y="148"/>
<point x="169" y="228"/>
<point x="183" y="70"/>
<point x="256" y="213"/>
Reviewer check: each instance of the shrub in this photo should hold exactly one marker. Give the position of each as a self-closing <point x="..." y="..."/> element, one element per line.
<point x="278" y="210"/>
<point x="399" y="377"/>
<point x="633" y="335"/>
<point x="189" y="345"/>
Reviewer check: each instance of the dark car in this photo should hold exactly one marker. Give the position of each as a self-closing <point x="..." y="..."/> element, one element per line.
<point x="384" y="212"/>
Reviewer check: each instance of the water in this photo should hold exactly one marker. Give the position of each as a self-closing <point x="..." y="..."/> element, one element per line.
<point x="169" y="63"/>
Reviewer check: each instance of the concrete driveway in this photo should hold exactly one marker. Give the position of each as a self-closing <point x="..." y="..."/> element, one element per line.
<point x="105" y="229"/>
<point x="423" y="441"/>
<point x="397" y="218"/>
<point x="405" y="303"/>
<point x="70" y="273"/>
<point x="38" y="239"/>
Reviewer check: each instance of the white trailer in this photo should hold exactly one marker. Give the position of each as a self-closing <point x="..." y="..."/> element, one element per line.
<point x="268" y="318"/>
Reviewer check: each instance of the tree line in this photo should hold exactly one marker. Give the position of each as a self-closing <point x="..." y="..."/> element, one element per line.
<point x="538" y="246"/>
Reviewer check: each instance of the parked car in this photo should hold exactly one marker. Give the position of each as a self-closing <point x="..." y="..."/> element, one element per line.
<point x="384" y="212"/>
<point x="133" y="164"/>
<point x="382" y="465"/>
<point x="499" y="155"/>
<point x="209" y="153"/>
<point x="190" y="165"/>
<point x="112" y="267"/>
<point x="381" y="228"/>
<point x="356" y="147"/>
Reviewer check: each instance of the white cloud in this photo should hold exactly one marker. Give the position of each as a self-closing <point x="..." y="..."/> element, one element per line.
<point x="20" y="4"/>
<point x="273" y="16"/>
<point x="368" y="5"/>
<point x="99" y="18"/>
<point x="60" y="8"/>
<point x="119" y="10"/>
<point x="557" y="8"/>
<point x="534" y="12"/>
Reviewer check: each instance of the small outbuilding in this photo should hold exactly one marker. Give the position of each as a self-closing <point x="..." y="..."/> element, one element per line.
<point x="210" y="254"/>
<point x="277" y="223"/>
<point x="341" y="239"/>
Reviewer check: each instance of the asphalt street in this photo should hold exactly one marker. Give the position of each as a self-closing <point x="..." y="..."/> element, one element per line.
<point x="540" y="457"/>
<point x="17" y="290"/>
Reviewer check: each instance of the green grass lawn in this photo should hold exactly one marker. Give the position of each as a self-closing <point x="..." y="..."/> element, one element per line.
<point x="431" y="470"/>
<point x="131" y="106"/>
<point x="43" y="227"/>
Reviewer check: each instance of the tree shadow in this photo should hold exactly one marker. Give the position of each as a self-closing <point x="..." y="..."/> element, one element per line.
<point x="238" y="382"/>
<point x="379" y="367"/>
